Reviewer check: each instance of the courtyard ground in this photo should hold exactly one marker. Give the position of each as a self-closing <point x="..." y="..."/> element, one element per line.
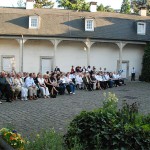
<point x="30" y="117"/>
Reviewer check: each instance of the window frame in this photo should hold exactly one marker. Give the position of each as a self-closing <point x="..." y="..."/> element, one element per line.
<point x="138" y="28"/>
<point x="30" y="22"/>
<point x="86" y="23"/>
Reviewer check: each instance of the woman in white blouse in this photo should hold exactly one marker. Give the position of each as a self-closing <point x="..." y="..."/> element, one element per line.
<point x="20" y="85"/>
<point x="42" y="86"/>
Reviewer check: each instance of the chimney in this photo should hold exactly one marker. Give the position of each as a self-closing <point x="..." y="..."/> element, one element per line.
<point x="93" y="6"/>
<point x="29" y="4"/>
<point x="143" y="11"/>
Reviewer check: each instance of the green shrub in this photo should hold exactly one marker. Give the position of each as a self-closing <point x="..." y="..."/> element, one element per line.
<point x="109" y="128"/>
<point x="47" y="140"/>
<point x="145" y="76"/>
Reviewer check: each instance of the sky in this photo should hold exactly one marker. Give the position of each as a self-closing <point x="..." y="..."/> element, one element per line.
<point x="116" y="4"/>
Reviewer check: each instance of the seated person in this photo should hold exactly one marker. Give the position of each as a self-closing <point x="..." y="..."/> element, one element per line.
<point x="15" y="90"/>
<point x="116" y="79"/>
<point x="87" y="81"/>
<point x="99" y="78"/>
<point x="54" y="85"/>
<point x="70" y="84"/>
<point x="5" y="87"/>
<point x="57" y="69"/>
<point x="121" y="80"/>
<point x="72" y="76"/>
<point x="94" y="81"/>
<point x="0" y="96"/>
<point x="29" y="82"/>
<point x="79" y="81"/>
<point x="42" y="86"/>
<point x="61" y="82"/>
<point x="20" y="85"/>
<point x="35" y="78"/>
<point x="110" y="82"/>
<point x="72" y="70"/>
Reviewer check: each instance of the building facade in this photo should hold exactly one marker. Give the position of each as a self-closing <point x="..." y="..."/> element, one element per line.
<point x="37" y="40"/>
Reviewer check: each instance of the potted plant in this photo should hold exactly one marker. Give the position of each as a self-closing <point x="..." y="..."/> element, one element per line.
<point x="10" y="139"/>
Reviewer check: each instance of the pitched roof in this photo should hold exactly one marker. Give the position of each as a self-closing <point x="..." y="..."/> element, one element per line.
<point x="67" y="23"/>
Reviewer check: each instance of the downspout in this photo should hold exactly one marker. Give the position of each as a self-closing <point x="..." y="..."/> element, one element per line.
<point x="22" y="55"/>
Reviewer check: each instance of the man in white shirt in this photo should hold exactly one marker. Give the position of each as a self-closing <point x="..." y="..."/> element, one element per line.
<point x="133" y="74"/>
<point x="79" y="81"/>
<point x="29" y="82"/>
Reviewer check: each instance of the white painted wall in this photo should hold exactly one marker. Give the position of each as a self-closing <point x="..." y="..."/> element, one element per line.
<point x="70" y="53"/>
<point x="134" y="54"/>
<point x="33" y="49"/>
<point x="104" y="55"/>
<point x="9" y="47"/>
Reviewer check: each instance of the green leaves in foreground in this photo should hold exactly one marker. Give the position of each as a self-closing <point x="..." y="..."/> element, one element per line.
<point x="46" y="140"/>
<point x="109" y="128"/>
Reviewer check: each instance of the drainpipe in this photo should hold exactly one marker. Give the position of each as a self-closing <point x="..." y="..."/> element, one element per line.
<point x="22" y="54"/>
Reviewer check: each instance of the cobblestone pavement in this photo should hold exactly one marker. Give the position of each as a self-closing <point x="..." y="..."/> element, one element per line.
<point x="29" y="117"/>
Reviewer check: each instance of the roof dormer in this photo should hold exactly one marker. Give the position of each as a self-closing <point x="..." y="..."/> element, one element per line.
<point x="34" y="22"/>
<point x="89" y="24"/>
<point x="141" y="28"/>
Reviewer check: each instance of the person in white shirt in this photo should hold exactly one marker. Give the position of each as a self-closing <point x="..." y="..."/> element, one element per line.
<point x="29" y="82"/>
<point x="100" y="69"/>
<point x="109" y="81"/>
<point x="44" y="90"/>
<point x="20" y="85"/>
<point x="69" y="83"/>
<point x="89" y="69"/>
<point x="133" y="74"/>
<point x="83" y="69"/>
<point x="116" y="79"/>
<point x="79" y="81"/>
<point x="72" y="76"/>
<point x="121" y="80"/>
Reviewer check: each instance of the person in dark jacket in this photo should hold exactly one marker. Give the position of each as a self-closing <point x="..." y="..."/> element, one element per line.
<point x="5" y="87"/>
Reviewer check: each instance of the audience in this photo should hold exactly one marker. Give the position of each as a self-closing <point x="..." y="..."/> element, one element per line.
<point x="51" y="84"/>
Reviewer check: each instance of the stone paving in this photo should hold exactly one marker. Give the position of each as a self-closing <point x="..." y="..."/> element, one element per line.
<point x="29" y="117"/>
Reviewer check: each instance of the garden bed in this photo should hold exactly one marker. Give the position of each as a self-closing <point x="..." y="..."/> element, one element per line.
<point x="4" y="145"/>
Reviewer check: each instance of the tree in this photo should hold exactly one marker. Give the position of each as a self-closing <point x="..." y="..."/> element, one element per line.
<point x="74" y="4"/>
<point x="43" y="4"/>
<point x="145" y="76"/>
<point x="106" y="8"/>
<point x="101" y="7"/>
<point x="136" y="4"/>
<point x="20" y="3"/>
<point x="125" y="8"/>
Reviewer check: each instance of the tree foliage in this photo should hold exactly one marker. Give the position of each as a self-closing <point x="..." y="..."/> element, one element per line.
<point x="43" y="4"/>
<point x="136" y="4"/>
<point x="74" y="4"/>
<point x="125" y="7"/>
<point x="146" y="62"/>
<point x="101" y="7"/>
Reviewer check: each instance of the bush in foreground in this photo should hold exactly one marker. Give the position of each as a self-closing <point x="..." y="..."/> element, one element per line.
<point x="47" y="140"/>
<point x="109" y="128"/>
